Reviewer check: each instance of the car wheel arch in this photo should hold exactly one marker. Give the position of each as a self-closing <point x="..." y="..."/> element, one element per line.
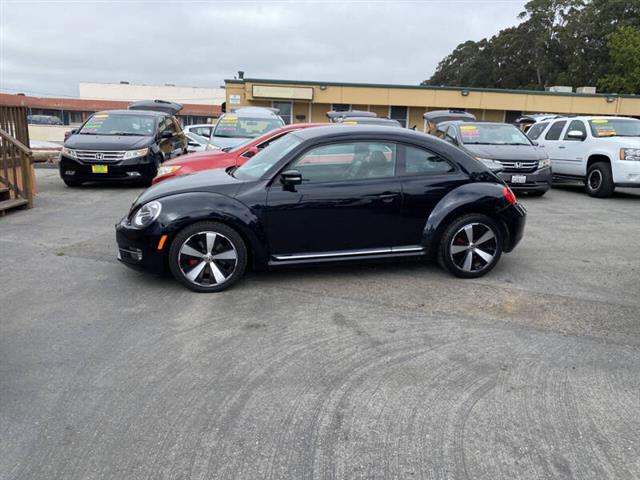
<point x="462" y="201"/>
<point x="595" y="158"/>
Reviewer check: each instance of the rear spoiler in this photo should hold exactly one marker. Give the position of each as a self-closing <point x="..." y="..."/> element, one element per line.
<point x="164" y="106"/>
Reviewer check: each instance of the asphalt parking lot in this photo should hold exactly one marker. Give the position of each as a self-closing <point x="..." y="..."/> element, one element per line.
<point x="367" y="371"/>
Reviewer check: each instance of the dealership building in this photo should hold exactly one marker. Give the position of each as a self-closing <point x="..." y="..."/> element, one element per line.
<point x="309" y="101"/>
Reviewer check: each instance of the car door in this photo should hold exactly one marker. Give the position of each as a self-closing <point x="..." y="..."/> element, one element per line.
<point x="349" y="200"/>
<point x="426" y="178"/>
<point x="572" y="150"/>
<point x="552" y="144"/>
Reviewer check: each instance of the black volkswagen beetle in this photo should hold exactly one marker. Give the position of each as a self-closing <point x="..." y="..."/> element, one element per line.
<point x="325" y="194"/>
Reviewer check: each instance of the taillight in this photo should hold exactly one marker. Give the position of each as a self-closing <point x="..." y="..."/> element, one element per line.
<point x="509" y="195"/>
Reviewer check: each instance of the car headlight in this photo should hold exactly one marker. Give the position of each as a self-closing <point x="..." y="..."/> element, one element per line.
<point x="211" y="146"/>
<point x="135" y="153"/>
<point x="544" y="163"/>
<point x="146" y="214"/>
<point x="167" y="169"/>
<point x="69" y="152"/>
<point x="631" y="154"/>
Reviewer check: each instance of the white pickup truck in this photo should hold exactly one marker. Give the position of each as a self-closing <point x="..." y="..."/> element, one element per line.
<point x="602" y="152"/>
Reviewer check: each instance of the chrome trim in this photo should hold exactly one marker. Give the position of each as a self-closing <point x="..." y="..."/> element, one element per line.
<point x="349" y="253"/>
<point x="102" y="156"/>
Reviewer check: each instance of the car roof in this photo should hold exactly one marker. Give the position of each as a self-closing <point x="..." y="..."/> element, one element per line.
<point x="253" y="112"/>
<point x="338" y="130"/>
<point x="134" y="112"/>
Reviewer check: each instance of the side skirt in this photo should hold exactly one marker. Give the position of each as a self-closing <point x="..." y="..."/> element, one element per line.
<point x="346" y="255"/>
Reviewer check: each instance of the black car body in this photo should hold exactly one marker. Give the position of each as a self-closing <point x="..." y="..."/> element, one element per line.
<point x="121" y="145"/>
<point x="325" y="194"/>
<point x="525" y="166"/>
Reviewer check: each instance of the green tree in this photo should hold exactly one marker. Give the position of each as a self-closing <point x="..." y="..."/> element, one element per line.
<point x="624" y="52"/>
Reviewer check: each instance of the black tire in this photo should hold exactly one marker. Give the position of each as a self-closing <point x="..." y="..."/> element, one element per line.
<point x="226" y="242"/>
<point x="599" y="181"/>
<point x="454" y="237"/>
<point x="71" y="183"/>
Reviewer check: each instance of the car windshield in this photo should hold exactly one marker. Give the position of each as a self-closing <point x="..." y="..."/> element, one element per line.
<point x="491" y="134"/>
<point x="245" y="127"/>
<point x="266" y="158"/>
<point x="614" y="127"/>
<point x="119" y="124"/>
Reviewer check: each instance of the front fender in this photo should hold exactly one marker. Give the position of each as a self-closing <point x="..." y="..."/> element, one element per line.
<point x="486" y="198"/>
<point x="183" y="209"/>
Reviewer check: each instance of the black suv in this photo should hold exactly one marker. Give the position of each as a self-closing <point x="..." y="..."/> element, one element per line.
<point x="123" y="144"/>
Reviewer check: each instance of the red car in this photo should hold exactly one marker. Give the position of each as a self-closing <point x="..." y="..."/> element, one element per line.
<point x="195" y="162"/>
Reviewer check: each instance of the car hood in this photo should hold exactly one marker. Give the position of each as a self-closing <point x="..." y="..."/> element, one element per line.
<point x="224" y="142"/>
<point x="213" y="181"/>
<point x="108" y="142"/>
<point x="507" y="152"/>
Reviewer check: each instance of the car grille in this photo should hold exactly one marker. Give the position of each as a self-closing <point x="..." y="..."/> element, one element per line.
<point x="519" y="165"/>
<point x="99" y="156"/>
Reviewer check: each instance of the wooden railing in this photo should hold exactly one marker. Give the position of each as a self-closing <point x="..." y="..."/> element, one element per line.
<point x="17" y="183"/>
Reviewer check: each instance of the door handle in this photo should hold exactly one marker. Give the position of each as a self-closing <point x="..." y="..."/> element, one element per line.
<point x="387" y="197"/>
<point x="562" y="146"/>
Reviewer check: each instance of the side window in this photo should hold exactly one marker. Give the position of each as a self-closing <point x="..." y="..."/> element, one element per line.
<point x="162" y="124"/>
<point x="555" y="130"/>
<point x="536" y="130"/>
<point x="347" y="161"/>
<point x="418" y="161"/>
<point x="450" y="136"/>
<point x="576" y="125"/>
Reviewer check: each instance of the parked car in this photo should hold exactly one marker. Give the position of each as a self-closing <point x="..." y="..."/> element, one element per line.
<point x="601" y="152"/>
<point x="386" y="122"/>
<point x="230" y="157"/>
<point x="525" y="166"/>
<point x="196" y="143"/>
<point x="117" y="145"/>
<point x="202" y="129"/>
<point x="435" y="117"/>
<point x="243" y="124"/>
<point x="325" y="194"/>
<point x="336" y="116"/>
<point x="43" y="120"/>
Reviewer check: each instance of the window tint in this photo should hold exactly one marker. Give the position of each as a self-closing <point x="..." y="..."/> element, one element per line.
<point x="347" y="161"/>
<point x="419" y="161"/>
<point x="555" y="130"/>
<point x="576" y="125"/>
<point x="536" y="130"/>
<point x="399" y="114"/>
<point x="340" y="107"/>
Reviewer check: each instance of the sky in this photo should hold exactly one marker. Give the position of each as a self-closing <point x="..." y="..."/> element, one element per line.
<point x="48" y="47"/>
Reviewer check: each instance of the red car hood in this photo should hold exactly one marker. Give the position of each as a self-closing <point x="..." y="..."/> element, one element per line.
<point x="202" y="160"/>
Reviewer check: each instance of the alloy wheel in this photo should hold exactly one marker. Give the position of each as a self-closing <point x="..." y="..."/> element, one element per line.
<point x="207" y="258"/>
<point x="473" y="247"/>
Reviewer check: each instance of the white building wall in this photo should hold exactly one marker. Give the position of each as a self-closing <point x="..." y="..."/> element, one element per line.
<point x="133" y="92"/>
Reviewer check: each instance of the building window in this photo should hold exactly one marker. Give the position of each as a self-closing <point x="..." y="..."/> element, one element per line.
<point x="340" y="107"/>
<point x="399" y="114"/>
<point x="285" y="110"/>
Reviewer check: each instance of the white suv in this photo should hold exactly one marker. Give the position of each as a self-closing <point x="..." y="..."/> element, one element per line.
<point x="602" y="152"/>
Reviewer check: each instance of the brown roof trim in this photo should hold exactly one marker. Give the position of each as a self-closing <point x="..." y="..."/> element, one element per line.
<point x="86" y="105"/>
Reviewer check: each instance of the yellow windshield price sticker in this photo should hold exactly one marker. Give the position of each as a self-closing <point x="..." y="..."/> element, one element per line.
<point x="599" y="120"/>
<point x="101" y="115"/>
<point x="468" y="127"/>
<point x="349" y="122"/>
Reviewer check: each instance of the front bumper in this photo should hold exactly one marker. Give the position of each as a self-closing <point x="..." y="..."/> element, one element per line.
<point x="126" y="170"/>
<point x="536" y="181"/>
<point x="626" y="173"/>
<point x="138" y="248"/>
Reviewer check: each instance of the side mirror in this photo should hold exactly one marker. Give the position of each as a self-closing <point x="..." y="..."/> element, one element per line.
<point x="166" y="134"/>
<point x="250" y="152"/>
<point x="576" y="134"/>
<point x="535" y="143"/>
<point x="291" y="177"/>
